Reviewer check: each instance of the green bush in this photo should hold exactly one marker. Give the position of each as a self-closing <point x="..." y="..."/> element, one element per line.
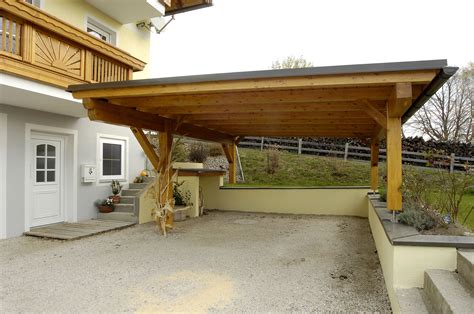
<point x="198" y="152"/>
<point x="215" y="150"/>
<point x="417" y="218"/>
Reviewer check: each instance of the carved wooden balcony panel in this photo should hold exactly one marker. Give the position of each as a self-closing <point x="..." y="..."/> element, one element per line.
<point x="38" y="46"/>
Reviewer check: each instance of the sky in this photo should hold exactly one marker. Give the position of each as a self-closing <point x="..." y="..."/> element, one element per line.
<point x="246" y="35"/>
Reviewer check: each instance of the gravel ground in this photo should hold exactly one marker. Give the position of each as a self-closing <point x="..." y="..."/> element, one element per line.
<point x="223" y="262"/>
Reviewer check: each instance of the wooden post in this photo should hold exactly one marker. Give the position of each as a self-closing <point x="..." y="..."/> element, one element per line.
<point x="147" y="147"/>
<point x="374" y="164"/>
<point x="230" y="153"/>
<point x="346" y="151"/>
<point x="261" y="143"/>
<point x="451" y="163"/>
<point x="300" y="145"/>
<point x="165" y="144"/>
<point x="397" y="104"/>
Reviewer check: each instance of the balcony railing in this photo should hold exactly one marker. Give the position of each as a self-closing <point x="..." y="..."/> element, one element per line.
<point x="38" y="46"/>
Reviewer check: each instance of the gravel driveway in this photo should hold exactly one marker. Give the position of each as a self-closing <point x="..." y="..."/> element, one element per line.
<point x="230" y="262"/>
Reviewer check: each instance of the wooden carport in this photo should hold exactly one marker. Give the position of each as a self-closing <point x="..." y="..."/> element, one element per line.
<point x="361" y="101"/>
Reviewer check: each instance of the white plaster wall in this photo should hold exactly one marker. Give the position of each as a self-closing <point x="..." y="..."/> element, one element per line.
<point x="86" y="154"/>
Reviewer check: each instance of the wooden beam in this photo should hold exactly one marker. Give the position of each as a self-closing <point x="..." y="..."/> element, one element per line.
<point x="263" y="116"/>
<point x="272" y="121"/>
<point x="397" y="104"/>
<point x="400" y="99"/>
<point x="324" y="95"/>
<point x="102" y="111"/>
<point x="253" y="108"/>
<point x="280" y="83"/>
<point x="230" y="151"/>
<point x="147" y="147"/>
<point x="374" y="164"/>
<point x="372" y="111"/>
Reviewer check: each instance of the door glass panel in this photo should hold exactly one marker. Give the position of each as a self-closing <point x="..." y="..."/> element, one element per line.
<point x="40" y="150"/>
<point x="51" y="151"/>
<point x="40" y="163"/>
<point x="51" y="163"/>
<point x="39" y="176"/>
<point x="51" y="176"/>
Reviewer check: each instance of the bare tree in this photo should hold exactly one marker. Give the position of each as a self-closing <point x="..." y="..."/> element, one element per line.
<point x="292" y="62"/>
<point x="448" y="115"/>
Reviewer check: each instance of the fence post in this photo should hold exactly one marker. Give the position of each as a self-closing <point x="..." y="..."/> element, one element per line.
<point x="451" y="164"/>
<point x="346" y="151"/>
<point x="261" y="143"/>
<point x="300" y="144"/>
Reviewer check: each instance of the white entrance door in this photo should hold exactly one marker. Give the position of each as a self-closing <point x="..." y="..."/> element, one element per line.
<point x="47" y="182"/>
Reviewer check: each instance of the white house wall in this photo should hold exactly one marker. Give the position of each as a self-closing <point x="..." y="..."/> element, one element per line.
<point x="87" y="193"/>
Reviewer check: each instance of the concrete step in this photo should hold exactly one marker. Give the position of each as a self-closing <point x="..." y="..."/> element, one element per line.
<point x="124" y="208"/>
<point x="446" y="293"/>
<point x="130" y="192"/>
<point x="137" y="186"/>
<point x="127" y="199"/>
<point x="412" y="301"/>
<point x="465" y="266"/>
<point x="129" y="217"/>
<point x="148" y="179"/>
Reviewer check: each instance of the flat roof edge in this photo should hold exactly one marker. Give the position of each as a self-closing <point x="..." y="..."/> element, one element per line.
<point x="262" y="74"/>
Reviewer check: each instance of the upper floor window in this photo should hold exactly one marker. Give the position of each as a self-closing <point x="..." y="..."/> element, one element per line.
<point x="36" y="3"/>
<point x="101" y="31"/>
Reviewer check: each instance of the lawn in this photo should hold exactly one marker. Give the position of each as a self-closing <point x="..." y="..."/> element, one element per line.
<point x="304" y="170"/>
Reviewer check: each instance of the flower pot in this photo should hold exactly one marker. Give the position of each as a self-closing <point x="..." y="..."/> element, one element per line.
<point x="180" y="212"/>
<point x="105" y="209"/>
<point x="115" y="199"/>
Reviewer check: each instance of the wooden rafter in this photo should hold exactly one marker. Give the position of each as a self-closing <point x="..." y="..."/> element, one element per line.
<point x="147" y="147"/>
<point x="268" y="84"/>
<point x="375" y="113"/>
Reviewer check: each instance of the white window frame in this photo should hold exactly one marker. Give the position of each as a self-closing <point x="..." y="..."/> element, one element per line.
<point x="102" y="29"/>
<point x="36" y="3"/>
<point x="112" y="139"/>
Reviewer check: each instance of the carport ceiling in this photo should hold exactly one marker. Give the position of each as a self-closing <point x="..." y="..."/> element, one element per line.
<point x="336" y="101"/>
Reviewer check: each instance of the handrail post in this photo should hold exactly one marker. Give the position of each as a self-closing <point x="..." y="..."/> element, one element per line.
<point x="451" y="163"/>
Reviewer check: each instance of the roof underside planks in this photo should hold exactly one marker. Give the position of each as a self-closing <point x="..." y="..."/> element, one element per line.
<point x="181" y="6"/>
<point x="342" y="101"/>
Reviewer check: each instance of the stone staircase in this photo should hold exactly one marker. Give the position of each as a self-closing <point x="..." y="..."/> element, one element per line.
<point x="127" y="209"/>
<point x="444" y="291"/>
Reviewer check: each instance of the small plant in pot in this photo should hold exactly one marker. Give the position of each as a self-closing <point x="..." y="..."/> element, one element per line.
<point x="105" y="206"/>
<point x="116" y="188"/>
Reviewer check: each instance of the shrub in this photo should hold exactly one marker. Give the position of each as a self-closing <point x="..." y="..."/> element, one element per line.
<point x="198" y="152"/>
<point x="418" y="218"/>
<point x="383" y="195"/>
<point x="273" y="160"/>
<point x="179" y="152"/>
<point x="215" y="150"/>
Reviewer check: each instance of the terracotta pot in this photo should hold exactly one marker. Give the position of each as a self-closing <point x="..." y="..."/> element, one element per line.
<point x="105" y="209"/>
<point x="115" y="199"/>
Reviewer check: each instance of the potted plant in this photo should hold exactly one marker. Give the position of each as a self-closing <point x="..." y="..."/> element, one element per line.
<point x="182" y="202"/>
<point x="105" y="206"/>
<point x="116" y="188"/>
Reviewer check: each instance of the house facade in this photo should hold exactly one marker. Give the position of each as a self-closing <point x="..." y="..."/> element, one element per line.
<point x="47" y="141"/>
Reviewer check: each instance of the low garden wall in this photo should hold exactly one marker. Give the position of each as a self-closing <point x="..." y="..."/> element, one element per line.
<point x="350" y="201"/>
<point x="405" y="254"/>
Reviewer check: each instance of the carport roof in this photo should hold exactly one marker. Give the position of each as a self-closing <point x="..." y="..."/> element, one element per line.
<point x="334" y="101"/>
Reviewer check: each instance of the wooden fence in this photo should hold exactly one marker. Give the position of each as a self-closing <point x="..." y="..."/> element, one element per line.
<point x="352" y="152"/>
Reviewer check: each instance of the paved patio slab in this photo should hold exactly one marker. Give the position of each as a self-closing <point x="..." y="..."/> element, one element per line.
<point x="74" y="231"/>
<point x="223" y="262"/>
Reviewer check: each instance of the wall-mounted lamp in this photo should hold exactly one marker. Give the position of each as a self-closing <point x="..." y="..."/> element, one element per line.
<point x="156" y="25"/>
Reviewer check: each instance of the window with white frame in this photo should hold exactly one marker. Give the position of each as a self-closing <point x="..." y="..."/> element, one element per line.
<point x="113" y="154"/>
<point x="36" y="3"/>
<point x="101" y="31"/>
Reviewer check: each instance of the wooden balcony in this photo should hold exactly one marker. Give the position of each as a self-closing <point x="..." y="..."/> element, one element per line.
<point x="39" y="46"/>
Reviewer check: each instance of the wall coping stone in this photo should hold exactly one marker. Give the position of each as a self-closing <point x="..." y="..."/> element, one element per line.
<point x="400" y="234"/>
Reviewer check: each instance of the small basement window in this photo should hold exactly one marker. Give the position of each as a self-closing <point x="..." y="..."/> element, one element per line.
<point x="113" y="154"/>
